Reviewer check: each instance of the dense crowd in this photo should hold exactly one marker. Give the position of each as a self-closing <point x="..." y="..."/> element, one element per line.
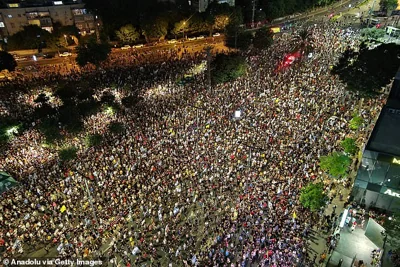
<point x="187" y="184"/>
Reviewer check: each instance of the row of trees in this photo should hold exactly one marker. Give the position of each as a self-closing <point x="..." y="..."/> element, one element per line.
<point x="34" y="37"/>
<point x="116" y="14"/>
<point x="336" y="165"/>
<point x="157" y="26"/>
<point x="366" y="69"/>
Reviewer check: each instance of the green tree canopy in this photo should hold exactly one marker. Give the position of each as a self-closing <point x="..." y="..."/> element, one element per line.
<point x="303" y="42"/>
<point x="92" y="52"/>
<point x="93" y="140"/>
<point x="392" y="228"/>
<point x="263" y="38"/>
<point x="227" y="67"/>
<point x="127" y="34"/>
<point x="336" y="164"/>
<point x="312" y="196"/>
<point x="31" y="37"/>
<point x="7" y="61"/>
<point x="349" y="146"/>
<point x="154" y="28"/>
<point x="67" y="153"/>
<point x="236" y="38"/>
<point x="388" y="5"/>
<point x="396" y="258"/>
<point x="372" y="33"/>
<point x="180" y="27"/>
<point x="356" y="122"/>
<point x="368" y="70"/>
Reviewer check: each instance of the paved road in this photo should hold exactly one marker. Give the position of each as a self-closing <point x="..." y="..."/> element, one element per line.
<point x="197" y="45"/>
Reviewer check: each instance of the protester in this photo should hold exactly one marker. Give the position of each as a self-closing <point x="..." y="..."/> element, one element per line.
<point x="186" y="183"/>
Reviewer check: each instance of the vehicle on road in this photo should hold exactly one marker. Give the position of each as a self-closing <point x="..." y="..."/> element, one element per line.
<point x="48" y="56"/>
<point x="172" y="41"/>
<point x="126" y="47"/>
<point x="216" y="34"/>
<point x="192" y="38"/>
<point x="138" y="46"/>
<point x="65" y="54"/>
<point x="371" y="22"/>
<point x="200" y="37"/>
<point x="18" y="58"/>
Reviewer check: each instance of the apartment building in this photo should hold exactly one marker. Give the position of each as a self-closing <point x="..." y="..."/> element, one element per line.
<point x="44" y="14"/>
<point x="201" y="5"/>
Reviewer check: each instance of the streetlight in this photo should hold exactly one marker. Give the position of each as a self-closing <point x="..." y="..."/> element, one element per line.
<point x="184" y="25"/>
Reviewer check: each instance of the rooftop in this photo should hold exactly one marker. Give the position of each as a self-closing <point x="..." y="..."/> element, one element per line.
<point x="385" y="137"/>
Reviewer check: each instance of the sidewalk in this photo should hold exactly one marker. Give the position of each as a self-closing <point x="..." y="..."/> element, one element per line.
<point x="317" y="239"/>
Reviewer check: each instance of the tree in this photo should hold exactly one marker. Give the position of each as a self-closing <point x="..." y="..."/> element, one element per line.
<point x="396" y="258"/>
<point x="275" y="9"/>
<point x="349" y="146"/>
<point x="372" y="33"/>
<point x="388" y="5"/>
<point x="31" y="37"/>
<point x="303" y="42"/>
<point x="368" y="70"/>
<point x="116" y="127"/>
<point x="93" y="140"/>
<point x="263" y="38"/>
<point x="197" y="24"/>
<point x="313" y="197"/>
<point x="67" y="153"/>
<point x="356" y="122"/>
<point x="220" y="22"/>
<point x="7" y="61"/>
<point x="127" y="34"/>
<point x="336" y="164"/>
<point x="236" y="37"/>
<point x="180" y="27"/>
<point x="154" y="28"/>
<point x="392" y="227"/>
<point x="228" y="67"/>
<point x="92" y="52"/>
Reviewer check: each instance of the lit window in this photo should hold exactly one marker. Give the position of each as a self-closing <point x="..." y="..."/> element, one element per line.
<point x="57" y="3"/>
<point x="13" y="5"/>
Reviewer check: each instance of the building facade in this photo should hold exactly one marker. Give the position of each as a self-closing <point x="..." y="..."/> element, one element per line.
<point x="378" y="178"/>
<point x="17" y="15"/>
<point x="201" y="5"/>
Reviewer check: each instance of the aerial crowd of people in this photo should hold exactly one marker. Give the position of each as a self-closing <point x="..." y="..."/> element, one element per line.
<point x="203" y="175"/>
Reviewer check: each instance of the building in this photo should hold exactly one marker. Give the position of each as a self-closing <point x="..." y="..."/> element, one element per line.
<point x="378" y="178"/>
<point x="44" y="14"/>
<point x="201" y="5"/>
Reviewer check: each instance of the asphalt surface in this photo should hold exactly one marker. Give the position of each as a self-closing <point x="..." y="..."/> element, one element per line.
<point x="200" y="44"/>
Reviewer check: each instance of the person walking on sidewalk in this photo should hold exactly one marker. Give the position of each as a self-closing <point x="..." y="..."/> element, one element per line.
<point x="322" y="257"/>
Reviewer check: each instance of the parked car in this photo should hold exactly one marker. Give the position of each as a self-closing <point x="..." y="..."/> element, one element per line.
<point x="192" y="38"/>
<point x="18" y="58"/>
<point x="138" y="46"/>
<point x="216" y="34"/>
<point x="66" y="54"/>
<point x="48" y="56"/>
<point x="172" y="41"/>
<point x="126" y="47"/>
<point x="200" y="37"/>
